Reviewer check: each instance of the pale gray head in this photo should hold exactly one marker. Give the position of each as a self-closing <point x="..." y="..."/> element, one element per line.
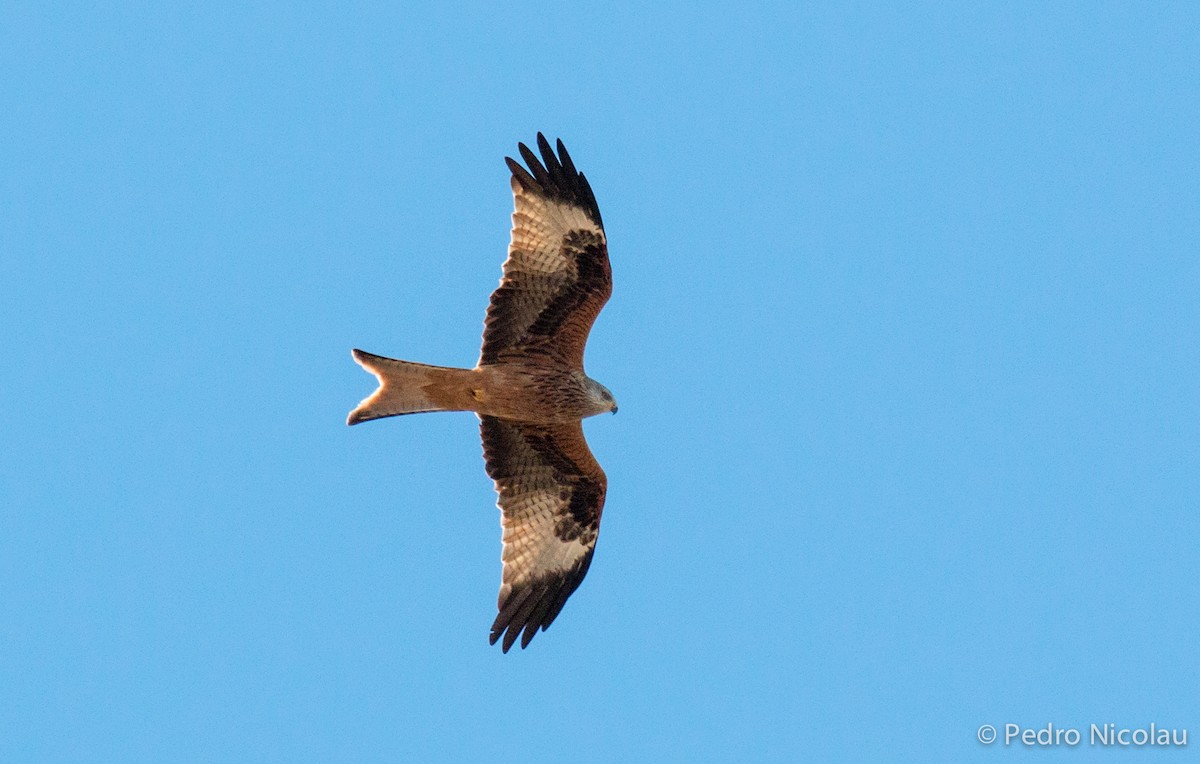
<point x="601" y="398"/>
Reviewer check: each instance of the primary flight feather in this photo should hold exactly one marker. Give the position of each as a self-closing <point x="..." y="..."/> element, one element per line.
<point x="529" y="390"/>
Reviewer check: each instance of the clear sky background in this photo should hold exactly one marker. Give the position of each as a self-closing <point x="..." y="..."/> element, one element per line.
<point x="905" y="336"/>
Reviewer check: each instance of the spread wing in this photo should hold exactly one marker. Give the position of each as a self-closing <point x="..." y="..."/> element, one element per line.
<point x="557" y="276"/>
<point x="551" y="496"/>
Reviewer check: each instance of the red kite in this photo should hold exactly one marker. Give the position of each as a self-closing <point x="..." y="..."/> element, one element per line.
<point x="530" y="391"/>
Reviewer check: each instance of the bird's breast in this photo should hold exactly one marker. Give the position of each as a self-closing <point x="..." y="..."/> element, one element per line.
<point x="531" y="393"/>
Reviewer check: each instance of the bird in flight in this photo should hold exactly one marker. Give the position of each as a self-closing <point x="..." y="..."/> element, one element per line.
<point x="529" y="391"/>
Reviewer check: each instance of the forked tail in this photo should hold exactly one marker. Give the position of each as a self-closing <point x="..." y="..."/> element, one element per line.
<point x="411" y="388"/>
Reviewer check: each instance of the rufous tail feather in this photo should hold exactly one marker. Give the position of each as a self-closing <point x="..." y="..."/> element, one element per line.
<point x="411" y="388"/>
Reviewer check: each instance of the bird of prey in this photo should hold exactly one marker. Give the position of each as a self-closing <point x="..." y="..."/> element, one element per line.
<point x="529" y="391"/>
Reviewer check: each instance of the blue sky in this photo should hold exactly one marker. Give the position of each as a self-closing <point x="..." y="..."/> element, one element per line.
<point x="904" y="334"/>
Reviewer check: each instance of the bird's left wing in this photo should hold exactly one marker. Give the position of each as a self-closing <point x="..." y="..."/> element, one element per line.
<point x="551" y="495"/>
<point x="557" y="276"/>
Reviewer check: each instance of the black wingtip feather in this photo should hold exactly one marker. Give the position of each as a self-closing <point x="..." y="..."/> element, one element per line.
<point x="567" y="164"/>
<point x="536" y="617"/>
<point x="530" y="632"/>
<point x="522" y="175"/>
<point x="558" y="175"/>
<point x="535" y="168"/>
<point x="524" y="616"/>
<point x="557" y="178"/>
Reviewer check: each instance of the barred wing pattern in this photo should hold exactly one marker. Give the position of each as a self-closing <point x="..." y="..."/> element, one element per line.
<point x="551" y="496"/>
<point x="557" y="276"/>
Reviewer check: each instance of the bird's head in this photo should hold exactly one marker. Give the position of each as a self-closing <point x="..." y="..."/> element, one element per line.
<point x="601" y="397"/>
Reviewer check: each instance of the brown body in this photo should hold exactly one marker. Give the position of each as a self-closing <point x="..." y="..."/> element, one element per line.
<point x="545" y="393"/>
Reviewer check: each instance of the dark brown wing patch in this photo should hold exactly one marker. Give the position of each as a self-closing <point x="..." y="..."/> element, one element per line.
<point x="592" y="275"/>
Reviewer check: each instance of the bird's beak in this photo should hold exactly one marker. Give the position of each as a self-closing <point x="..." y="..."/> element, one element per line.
<point x="614" y="408"/>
